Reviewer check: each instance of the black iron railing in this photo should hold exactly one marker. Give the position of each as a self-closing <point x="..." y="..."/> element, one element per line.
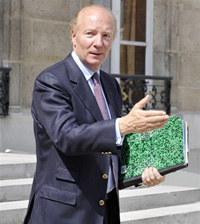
<point x="135" y="87"/>
<point x="4" y="90"/>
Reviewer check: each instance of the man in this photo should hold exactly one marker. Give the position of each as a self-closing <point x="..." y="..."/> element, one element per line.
<point x="77" y="145"/>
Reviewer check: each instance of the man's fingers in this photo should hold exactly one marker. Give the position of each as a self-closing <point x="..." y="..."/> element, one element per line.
<point x="147" y="124"/>
<point x="154" y="113"/>
<point x="149" y="113"/>
<point x="158" y="176"/>
<point x="142" y="102"/>
<point x="157" y="120"/>
<point x="152" y="177"/>
<point x="140" y="121"/>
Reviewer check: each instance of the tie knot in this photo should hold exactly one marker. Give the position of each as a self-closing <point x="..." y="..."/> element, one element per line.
<point x="95" y="78"/>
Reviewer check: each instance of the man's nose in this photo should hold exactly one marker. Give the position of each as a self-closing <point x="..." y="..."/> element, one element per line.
<point x="98" y="41"/>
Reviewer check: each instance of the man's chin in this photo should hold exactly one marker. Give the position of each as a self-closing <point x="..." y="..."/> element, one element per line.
<point x="93" y="66"/>
<point x="95" y="63"/>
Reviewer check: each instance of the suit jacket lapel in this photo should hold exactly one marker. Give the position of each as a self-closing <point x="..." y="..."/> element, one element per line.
<point x="82" y="88"/>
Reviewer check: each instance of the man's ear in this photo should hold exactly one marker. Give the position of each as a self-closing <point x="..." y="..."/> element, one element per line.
<point x="73" y="38"/>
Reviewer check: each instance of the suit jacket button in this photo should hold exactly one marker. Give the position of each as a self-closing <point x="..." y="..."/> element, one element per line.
<point x="101" y="202"/>
<point x="105" y="176"/>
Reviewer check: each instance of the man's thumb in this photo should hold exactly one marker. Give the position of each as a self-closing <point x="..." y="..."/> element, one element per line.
<point x="142" y="102"/>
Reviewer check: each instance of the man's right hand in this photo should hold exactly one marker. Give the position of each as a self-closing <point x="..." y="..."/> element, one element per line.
<point x="140" y="121"/>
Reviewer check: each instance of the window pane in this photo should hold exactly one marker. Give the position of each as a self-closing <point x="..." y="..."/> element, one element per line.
<point x="133" y="20"/>
<point x="132" y="60"/>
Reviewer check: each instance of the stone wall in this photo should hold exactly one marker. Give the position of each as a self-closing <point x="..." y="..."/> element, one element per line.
<point x="34" y="35"/>
<point x="177" y="54"/>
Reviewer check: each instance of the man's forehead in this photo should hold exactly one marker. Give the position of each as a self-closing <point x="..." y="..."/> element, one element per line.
<point x="107" y="30"/>
<point x="93" y="12"/>
<point x="93" y="20"/>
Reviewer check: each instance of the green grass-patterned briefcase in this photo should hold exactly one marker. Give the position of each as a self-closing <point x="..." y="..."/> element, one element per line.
<point x="165" y="149"/>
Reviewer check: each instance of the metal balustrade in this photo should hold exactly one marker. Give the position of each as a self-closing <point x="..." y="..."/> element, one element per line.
<point x="4" y="90"/>
<point x="135" y="87"/>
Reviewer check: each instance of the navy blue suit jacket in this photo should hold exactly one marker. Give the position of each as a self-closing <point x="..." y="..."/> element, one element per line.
<point x="73" y="146"/>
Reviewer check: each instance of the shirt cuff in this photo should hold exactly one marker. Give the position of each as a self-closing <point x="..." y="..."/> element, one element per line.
<point x="119" y="138"/>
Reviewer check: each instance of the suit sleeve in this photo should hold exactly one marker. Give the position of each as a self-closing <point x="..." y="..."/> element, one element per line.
<point x="53" y="112"/>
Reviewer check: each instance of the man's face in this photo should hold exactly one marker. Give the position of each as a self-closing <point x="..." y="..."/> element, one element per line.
<point x="92" y="40"/>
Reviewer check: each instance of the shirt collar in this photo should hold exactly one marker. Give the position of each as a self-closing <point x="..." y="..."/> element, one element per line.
<point x="85" y="70"/>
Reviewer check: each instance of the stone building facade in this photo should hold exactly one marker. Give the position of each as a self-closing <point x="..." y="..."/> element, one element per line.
<point x="35" y="34"/>
<point x="177" y="54"/>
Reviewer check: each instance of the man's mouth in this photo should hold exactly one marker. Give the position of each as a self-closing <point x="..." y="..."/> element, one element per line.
<point x="96" y="54"/>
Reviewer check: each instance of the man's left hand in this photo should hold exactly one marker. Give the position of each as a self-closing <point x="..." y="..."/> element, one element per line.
<point x="152" y="177"/>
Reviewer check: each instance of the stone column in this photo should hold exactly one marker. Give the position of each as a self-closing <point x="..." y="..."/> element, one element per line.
<point x="1" y="33"/>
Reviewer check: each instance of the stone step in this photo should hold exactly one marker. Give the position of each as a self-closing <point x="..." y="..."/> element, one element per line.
<point x="15" y="189"/>
<point x="160" y="204"/>
<point x="17" y="158"/>
<point x="133" y="199"/>
<point x="13" y="212"/>
<point x="13" y="165"/>
<point x="180" y="214"/>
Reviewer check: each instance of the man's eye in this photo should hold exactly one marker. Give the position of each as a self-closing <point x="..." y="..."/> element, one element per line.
<point x="90" y="33"/>
<point x="107" y="35"/>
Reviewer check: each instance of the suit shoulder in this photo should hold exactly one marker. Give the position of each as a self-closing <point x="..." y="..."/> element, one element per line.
<point x="53" y="69"/>
<point x="108" y="76"/>
<point x="110" y="79"/>
<point x="58" y="69"/>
